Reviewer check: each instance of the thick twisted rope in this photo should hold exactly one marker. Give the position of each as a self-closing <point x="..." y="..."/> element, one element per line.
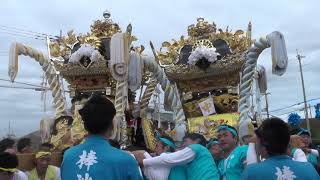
<point x="173" y="96"/>
<point x="54" y="83"/>
<point x="148" y="132"/>
<point x="279" y="56"/>
<point x="120" y="100"/>
<point x="147" y="94"/>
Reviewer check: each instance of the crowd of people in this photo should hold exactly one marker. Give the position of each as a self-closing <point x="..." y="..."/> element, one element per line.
<point x="271" y="153"/>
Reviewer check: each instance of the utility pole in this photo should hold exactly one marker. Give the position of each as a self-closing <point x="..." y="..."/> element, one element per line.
<point x="267" y="104"/>
<point x="299" y="57"/>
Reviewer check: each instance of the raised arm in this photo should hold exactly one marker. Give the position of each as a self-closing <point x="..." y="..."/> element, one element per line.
<point x="181" y="157"/>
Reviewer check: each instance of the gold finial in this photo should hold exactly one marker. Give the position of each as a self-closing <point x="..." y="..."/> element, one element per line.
<point x="105" y="28"/>
<point x="202" y="29"/>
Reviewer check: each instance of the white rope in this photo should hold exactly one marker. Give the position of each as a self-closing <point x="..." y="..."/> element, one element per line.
<point x="173" y="97"/>
<point x="279" y="60"/>
<point x="147" y="96"/>
<point x="20" y="49"/>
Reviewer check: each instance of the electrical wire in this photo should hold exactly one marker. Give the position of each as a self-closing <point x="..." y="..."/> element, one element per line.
<point x="30" y="88"/>
<point x="28" y="84"/>
<point x="286" y="107"/>
<point x="26" y="31"/>
<point x="22" y="35"/>
<point x="20" y="87"/>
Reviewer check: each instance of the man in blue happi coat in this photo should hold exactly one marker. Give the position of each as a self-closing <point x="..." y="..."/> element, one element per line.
<point x="272" y="140"/>
<point x="96" y="159"/>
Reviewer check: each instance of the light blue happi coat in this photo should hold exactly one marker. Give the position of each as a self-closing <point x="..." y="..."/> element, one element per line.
<point x="96" y="159"/>
<point x="280" y="167"/>
<point x="202" y="167"/>
<point x="232" y="167"/>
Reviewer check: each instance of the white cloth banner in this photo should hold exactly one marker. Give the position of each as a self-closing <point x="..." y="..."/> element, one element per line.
<point x="207" y="107"/>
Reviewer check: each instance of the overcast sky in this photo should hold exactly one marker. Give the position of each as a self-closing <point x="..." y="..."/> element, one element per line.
<point x="158" y="21"/>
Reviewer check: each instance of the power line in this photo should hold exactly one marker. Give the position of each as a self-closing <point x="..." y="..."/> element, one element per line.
<point x="30" y="88"/>
<point x="22" y="35"/>
<point x="286" y="107"/>
<point x="20" y="87"/>
<point x="27" y="31"/>
<point x="20" y="82"/>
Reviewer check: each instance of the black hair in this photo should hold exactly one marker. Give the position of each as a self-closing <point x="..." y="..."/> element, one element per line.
<point x="8" y="160"/>
<point x="64" y="150"/>
<point x="69" y="121"/>
<point x="46" y="146"/>
<point x="6" y="143"/>
<point x="22" y="143"/>
<point x="274" y="135"/>
<point x="231" y="127"/>
<point x="170" y="139"/>
<point x="197" y="137"/>
<point x="114" y="143"/>
<point x="97" y="114"/>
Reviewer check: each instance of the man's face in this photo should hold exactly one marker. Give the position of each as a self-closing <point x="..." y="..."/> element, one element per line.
<point x="216" y="151"/>
<point x="6" y="175"/>
<point x="305" y="139"/>
<point x="188" y="141"/>
<point x="226" y="140"/>
<point x="42" y="164"/>
<point x="159" y="148"/>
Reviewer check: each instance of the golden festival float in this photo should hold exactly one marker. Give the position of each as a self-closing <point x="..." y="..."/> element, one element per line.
<point x="199" y="74"/>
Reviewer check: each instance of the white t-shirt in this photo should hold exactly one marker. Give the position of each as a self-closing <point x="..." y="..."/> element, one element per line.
<point x="158" y="168"/>
<point x="299" y="155"/>
<point x="19" y="175"/>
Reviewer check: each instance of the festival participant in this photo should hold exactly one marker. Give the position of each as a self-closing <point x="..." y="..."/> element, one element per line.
<point x="273" y="137"/>
<point x="44" y="171"/>
<point x="234" y="161"/>
<point x="24" y="145"/>
<point x="311" y="152"/>
<point x="165" y="144"/>
<point x="46" y="146"/>
<point x="198" y="160"/>
<point x="7" y="145"/>
<point x="8" y="167"/>
<point x="294" y="149"/>
<point x="96" y="158"/>
<point x="215" y="150"/>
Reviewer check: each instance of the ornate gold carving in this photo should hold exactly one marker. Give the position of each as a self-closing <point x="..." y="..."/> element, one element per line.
<point x="104" y="28"/>
<point x="149" y="134"/>
<point x="202" y="42"/>
<point x="77" y="131"/>
<point x="62" y="139"/>
<point x="238" y="40"/>
<point x="225" y="103"/>
<point x="201" y="29"/>
<point x="99" y="29"/>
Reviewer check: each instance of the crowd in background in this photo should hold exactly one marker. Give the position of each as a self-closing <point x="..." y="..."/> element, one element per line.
<point x="270" y="153"/>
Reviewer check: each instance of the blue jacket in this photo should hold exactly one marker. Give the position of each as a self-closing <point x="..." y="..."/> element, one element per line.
<point x="97" y="159"/>
<point x="280" y="167"/>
